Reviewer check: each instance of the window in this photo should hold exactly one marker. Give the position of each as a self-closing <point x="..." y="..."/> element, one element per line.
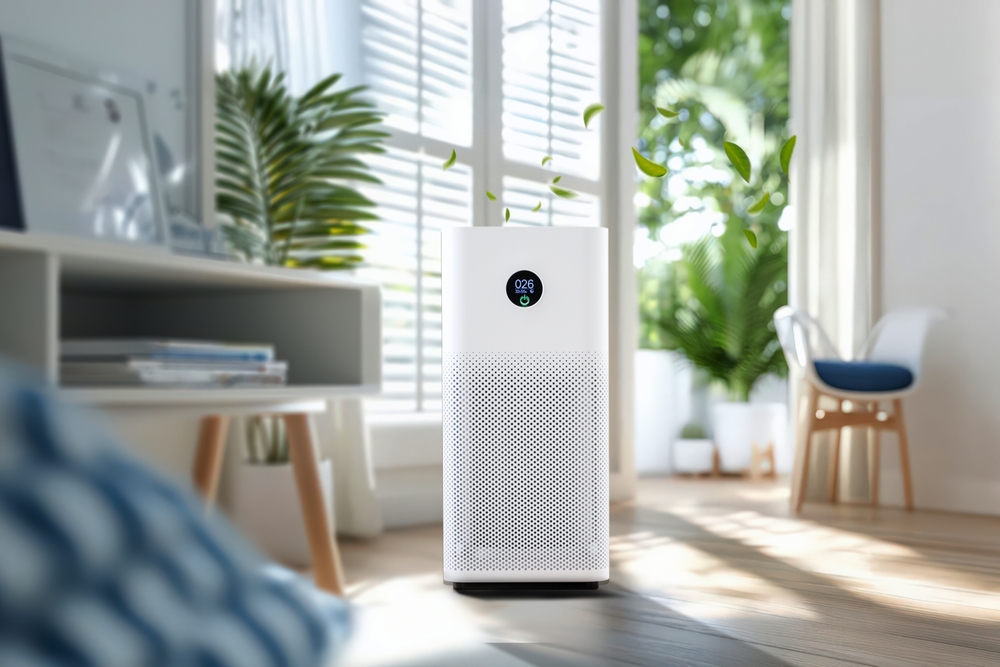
<point x="420" y="59"/>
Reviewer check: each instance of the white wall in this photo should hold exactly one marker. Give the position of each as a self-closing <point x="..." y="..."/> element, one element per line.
<point x="941" y="239"/>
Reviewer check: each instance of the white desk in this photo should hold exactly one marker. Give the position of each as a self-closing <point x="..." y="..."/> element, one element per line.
<point x="327" y="326"/>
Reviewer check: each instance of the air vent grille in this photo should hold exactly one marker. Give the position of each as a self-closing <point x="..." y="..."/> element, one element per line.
<point x="525" y="461"/>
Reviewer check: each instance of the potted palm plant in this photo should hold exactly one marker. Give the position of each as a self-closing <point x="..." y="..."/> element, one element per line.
<point x="287" y="167"/>
<point x="718" y="311"/>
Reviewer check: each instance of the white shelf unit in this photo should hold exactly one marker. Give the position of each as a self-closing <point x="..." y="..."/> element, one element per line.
<point x="327" y="326"/>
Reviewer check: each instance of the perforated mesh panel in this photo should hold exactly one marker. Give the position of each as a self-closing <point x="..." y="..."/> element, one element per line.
<point x="525" y="461"/>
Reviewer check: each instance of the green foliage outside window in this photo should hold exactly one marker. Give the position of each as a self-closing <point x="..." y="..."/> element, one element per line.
<point x="722" y="65"/>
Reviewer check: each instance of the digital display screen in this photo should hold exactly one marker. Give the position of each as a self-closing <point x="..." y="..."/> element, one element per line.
<point x="524" y="289"/>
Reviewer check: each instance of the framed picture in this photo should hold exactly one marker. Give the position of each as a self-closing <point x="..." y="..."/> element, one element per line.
<point x="76" y="156"/>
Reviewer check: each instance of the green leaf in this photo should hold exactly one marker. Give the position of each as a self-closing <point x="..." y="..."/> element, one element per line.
<point x="590" y="112"/>
<point x="786" y="153"/>
<point x="751" y="237"/>
<point x="667" y="113"/>
<point x="738" y="158"/>
<point x="557" y="179"/>
<point x="647" y="166"/>
<point x="546" y="160"/>
<point x="759" y="205"/>
<point x="506" y="215"/>
<point x="538" y="207"/>
<point x="491" y="196"/>
<point x="563" y="192"/>
<point x="450" y="162"/>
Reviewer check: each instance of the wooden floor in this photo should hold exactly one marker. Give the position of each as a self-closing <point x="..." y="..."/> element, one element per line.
<point x="706" y="573"/>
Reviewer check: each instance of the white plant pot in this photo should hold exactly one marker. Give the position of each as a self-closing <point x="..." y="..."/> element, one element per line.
<point x="693" y="456"/>
<point x="737" y="426"/>
<point x="266" y="509"/>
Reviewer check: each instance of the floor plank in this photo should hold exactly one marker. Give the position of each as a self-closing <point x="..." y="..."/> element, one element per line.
<point x="706" y="572"/>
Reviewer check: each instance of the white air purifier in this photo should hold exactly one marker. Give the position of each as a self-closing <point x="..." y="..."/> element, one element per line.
<point x="525" y="407"/>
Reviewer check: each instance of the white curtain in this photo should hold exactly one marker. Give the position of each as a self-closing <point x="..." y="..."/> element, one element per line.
<point x="834" y="194"/>
<point x="290" y="35"/>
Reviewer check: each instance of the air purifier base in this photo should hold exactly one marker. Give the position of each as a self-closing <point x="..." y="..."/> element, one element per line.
<point x="524" y="586"/>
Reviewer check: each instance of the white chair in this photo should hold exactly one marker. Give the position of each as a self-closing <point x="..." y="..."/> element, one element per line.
<point x="887" y="370"/>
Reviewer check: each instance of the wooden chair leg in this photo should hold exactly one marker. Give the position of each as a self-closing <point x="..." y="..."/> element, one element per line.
<point x="875" y="466"/>
<point x="756" y="462"/>
<point x="904" y="453"/>
<point x="208" y="456"/>
<point x="807" y="425"/>
<point x="327" y="568"/>
<point x="833" y="474"/>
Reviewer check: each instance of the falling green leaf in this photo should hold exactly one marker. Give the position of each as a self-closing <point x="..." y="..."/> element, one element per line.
<point x="546" y="160"/>
<point x="759" y="205"/>
<point x="751" y="237"/>
<point x="563" y="192"/>
<point x="590" y="112"/>
<point x="738" y="157"/>
<point x="506" y="215"/>
<point x="557" y="179"/>
<point x="786" y="153"/>
<point x="491" y="196"/>
<point x="667" y="113"/>
<point x="538" y="207"/>
<point x="450" y="162"/>
<point x="648" y="167"/>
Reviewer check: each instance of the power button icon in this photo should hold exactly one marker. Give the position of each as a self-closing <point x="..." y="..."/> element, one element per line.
<point x="525" y="299"/>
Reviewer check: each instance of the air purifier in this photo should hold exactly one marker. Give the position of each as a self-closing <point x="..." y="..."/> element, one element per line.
<point x="525" y="407"/>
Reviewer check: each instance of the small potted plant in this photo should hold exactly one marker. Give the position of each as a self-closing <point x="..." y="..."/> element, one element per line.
<point x="693" y="452"/>
<point x="265" y="497"/>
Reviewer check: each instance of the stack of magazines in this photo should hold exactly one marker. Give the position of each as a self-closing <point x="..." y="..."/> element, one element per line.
<point x="168" y="363"/>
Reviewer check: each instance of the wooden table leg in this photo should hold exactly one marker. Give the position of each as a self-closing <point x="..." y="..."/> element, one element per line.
<point x="208" y="456"/>
<point x="316" y="515"/>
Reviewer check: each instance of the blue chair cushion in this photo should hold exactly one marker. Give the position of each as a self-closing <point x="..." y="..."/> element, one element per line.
<point x="866" y="376"/>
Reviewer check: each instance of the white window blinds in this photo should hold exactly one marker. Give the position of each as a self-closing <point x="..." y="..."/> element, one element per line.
<point x="418" y="63"/>
<point x="416" y="201"/>
<point x="417" y="58"/>
<point x="551" y="72"/>
<point x="522" y="196"/>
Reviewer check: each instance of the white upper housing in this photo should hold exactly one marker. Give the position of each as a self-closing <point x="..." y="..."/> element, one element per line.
<point x="525" y="389"/>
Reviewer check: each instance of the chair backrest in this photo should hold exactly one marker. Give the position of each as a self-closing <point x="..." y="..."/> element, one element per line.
<point x="899" y="337"/>
<point x="802" y="338"/>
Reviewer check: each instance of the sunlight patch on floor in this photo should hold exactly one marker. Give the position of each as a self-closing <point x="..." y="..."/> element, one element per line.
<point x="698" y="584"/>
<point x="882" y="571"/>
<point x="409" y="618"/>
